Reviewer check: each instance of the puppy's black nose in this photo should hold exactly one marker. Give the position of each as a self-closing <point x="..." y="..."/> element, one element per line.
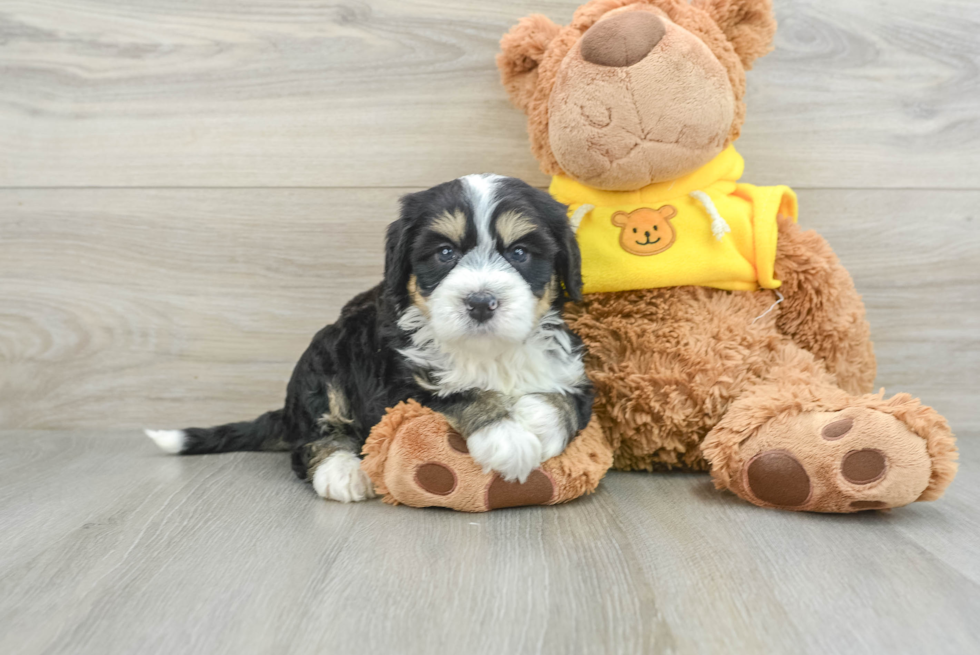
<point x="481" y="305"/>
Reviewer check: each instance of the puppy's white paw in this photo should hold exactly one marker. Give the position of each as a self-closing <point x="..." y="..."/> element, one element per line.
<point x="543" y="419"/>
<point x="339" y="477"/>
<point x="507" y="448"/>
<point x="169" y="441"/>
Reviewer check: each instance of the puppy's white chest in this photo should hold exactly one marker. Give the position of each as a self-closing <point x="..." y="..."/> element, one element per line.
<point x="529" y="369"/>
<point x="545" y="362"/>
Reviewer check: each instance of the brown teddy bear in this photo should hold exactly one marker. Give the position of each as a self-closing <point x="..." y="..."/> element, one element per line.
<point x="721" y="337"/>
<point x="743" y="347"/>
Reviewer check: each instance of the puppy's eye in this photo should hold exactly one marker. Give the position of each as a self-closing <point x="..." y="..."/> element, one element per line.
<point x="518" y="254"/>
<point x="445" y="254"/>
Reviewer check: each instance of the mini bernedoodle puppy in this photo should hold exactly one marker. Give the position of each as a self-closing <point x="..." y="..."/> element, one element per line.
<point x="467" y="321"/>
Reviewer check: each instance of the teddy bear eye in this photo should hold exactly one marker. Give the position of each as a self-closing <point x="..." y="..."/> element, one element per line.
<point x="655" y="227"/>
<point x="634" y="230"/>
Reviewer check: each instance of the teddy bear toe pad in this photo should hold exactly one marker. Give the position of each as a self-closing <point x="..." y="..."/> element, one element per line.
<point x="852" y="460"/>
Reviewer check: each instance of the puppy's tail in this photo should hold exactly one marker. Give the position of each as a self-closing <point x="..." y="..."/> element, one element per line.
<point x="267" y="432"/>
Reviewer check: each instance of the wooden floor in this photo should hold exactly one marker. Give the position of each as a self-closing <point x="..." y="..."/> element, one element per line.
<point x="190" y="189"/>
<point x="111" y="547"/>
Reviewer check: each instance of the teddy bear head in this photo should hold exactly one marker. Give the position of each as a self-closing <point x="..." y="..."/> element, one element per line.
<point x="634" y="92"/>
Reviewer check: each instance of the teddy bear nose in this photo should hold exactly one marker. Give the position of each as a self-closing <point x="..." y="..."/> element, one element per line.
<point x="622" y="40"/>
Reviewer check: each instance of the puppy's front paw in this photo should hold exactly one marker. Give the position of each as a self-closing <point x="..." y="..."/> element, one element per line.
<point x="507" y="448"/>
<point x="339" y="477"/>
<point x="542" y="418"/>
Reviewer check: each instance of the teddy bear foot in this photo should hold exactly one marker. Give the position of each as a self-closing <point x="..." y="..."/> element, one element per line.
<point x="415" y="458"/>
<point x="452" y="479"/>
<point x="845" y="461"/>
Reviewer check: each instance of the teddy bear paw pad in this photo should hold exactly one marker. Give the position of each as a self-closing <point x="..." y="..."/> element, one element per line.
<point x="538" y="489"/>
<point x="778" y="478"/>
<point x="436" y="478"/>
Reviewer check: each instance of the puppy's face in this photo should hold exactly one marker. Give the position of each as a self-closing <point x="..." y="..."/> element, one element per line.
<point x="483" y="257"/>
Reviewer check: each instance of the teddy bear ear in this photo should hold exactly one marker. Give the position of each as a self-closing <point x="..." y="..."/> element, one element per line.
<point x="521" y="51"/>
<point x="620" y="219"/>
<point x="749" y="25"/>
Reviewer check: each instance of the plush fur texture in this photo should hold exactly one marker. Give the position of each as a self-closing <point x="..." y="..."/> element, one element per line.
<point x="773" y="399"/>
<point x="467" y="321"/>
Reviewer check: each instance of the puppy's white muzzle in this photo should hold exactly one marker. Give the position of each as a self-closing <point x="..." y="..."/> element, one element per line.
<point x="483" y="298"/>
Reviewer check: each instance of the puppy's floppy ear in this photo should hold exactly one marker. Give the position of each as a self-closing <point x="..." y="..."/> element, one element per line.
<point x="569" y="263"/>
<point x="749" y="25"/>
<point x="398" y="264"/>
<point x="521" y="51"/>
<point x="568" y="260"/>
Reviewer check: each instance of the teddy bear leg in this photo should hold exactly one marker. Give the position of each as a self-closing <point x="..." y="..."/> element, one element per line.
<point x="807" y="445"/>
<point x="822" y="311"/>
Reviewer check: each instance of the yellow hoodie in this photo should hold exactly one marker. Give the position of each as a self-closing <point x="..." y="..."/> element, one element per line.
<point x="704" y="229"/>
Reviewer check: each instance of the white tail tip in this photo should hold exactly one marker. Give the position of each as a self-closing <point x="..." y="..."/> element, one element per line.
<point x="169" y="441"/>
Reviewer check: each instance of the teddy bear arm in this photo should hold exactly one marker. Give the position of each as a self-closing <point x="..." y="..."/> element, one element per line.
<point x="823" y="312"/>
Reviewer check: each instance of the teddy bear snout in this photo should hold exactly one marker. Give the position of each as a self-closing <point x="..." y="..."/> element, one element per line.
<point x="622" y="40"/>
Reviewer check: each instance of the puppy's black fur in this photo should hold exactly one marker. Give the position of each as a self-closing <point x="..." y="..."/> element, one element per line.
<point x="353" y="370"/>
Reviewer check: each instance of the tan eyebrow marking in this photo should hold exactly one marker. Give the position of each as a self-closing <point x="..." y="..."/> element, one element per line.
<point x="511" y="226"/>
<point x="452" y="226"/>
